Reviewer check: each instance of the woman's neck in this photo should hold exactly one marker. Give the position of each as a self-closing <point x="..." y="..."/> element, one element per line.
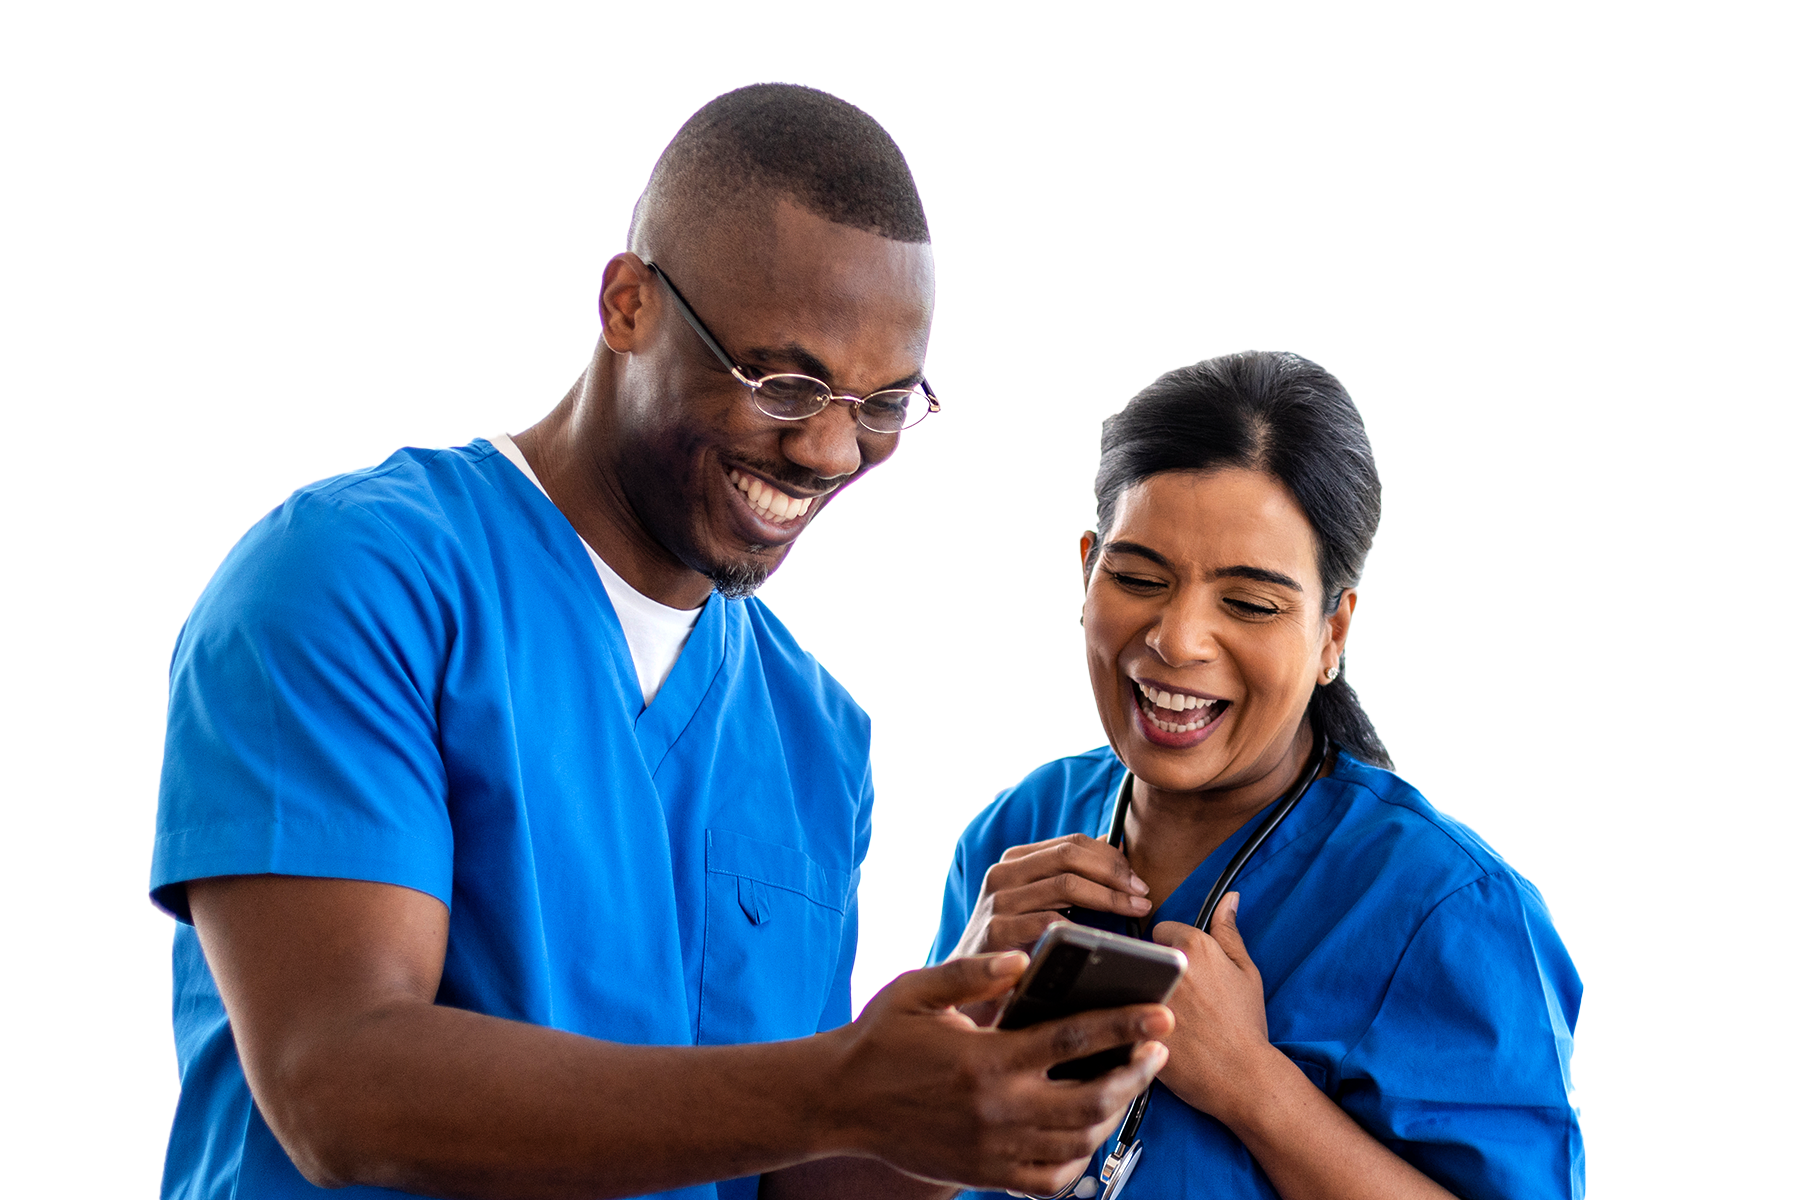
<point x="1169" y="834"/>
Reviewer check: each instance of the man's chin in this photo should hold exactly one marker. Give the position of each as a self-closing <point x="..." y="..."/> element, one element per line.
<point x="739" y="580"/>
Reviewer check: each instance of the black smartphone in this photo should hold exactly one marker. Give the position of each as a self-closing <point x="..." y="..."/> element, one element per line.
<point x="1074" y="969"/>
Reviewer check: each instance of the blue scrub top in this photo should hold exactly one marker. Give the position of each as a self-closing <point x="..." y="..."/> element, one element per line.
<point x="1414" y="977"/>
<point x="413" y="675"/>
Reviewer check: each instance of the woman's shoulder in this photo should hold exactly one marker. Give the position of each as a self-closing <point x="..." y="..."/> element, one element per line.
<point x="1381" y="814"/>
<point x="1065" y="795"/>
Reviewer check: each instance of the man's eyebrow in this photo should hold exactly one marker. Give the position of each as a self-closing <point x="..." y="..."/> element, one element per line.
<point x="799" y="358"/>
<point x="792" y="355"/>
<point x="1261" y="574"/>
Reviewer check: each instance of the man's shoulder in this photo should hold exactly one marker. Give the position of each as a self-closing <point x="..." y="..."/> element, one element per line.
<point x="368" y="538"/>
<point x="412" y="487"/>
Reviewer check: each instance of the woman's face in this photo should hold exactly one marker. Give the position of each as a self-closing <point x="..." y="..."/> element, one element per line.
<point x="1205" y="628"/>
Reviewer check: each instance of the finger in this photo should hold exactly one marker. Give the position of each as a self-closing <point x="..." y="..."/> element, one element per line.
<point x="1062" y="891"/>
<point x="960" y="981"/>
<point x="1088" y="858"/>
<point x="1122" y="1084"/>
<point x="1051" y="1042"/>
<point x="1021" y="931"/>
<point x="1039" y="1179"/>
<point x="1025" y="848"/>
<point x="1225" y="932"/>
<point x="1097" y="1104"/>
<point x="1179" y="935"/>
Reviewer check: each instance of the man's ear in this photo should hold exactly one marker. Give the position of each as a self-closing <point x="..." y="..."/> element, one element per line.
<point x="1089" y="540"/>
<point x="624" y="291"/>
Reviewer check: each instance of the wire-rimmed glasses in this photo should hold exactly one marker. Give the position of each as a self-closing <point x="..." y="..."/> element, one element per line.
<point x="791" y="397"/>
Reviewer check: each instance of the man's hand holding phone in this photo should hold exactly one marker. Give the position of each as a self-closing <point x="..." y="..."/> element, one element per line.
<point x="931" y="1092"/>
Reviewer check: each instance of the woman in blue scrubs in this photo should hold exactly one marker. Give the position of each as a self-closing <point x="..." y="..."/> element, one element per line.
<point x="1382" y="1007"/>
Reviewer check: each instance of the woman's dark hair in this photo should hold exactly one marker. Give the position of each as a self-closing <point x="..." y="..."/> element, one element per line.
<point x="1286" y="417"/>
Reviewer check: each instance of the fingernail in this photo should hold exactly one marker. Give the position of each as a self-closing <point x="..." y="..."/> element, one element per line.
<point x="1139" y="886"/>
<point x="1010" y="963"/>
<point x="1139" y="904"/>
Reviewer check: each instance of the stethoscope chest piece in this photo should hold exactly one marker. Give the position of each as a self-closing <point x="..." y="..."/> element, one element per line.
<point x="1116" y="1172"/>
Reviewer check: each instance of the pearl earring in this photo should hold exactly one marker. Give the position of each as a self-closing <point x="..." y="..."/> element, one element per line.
<point x="1331" y="674"/>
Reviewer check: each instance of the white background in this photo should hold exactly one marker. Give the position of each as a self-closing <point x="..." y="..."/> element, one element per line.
<point x="1633" y="186"/>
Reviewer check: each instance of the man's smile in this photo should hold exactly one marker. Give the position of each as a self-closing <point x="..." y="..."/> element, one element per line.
<point x="770" y="503"/>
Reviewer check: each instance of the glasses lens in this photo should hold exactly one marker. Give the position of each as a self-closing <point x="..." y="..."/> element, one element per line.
<point x="791" y="397"/>
<point x="890" y="412"/>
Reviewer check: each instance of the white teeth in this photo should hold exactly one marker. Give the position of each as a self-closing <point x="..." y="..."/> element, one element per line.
<point x="1154" y="698"/>
<point x="771" y="503"/>
<point x="1173" y="701"/>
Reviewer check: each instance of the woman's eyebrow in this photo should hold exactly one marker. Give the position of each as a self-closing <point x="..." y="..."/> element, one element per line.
<point x="1260" y="574"/>
<point x="1141" y="551"/>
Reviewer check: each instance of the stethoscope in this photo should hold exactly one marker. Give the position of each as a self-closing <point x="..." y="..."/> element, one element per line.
<point x="1128" y="1150"/>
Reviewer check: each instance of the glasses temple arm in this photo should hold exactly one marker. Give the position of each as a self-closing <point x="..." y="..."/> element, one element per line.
<point x="693" y="319"/>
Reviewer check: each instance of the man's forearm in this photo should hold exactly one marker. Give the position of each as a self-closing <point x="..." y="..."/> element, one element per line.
<point x="863" y="1178"/>
<point x="329" y="986"/>
<point x="438" y="1100"/>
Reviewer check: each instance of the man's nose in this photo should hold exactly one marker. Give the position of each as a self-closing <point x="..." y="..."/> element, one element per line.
<point x="826" y="442"/>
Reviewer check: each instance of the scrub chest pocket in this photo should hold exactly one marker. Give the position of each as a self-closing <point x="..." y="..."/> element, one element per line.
<point x="774" y="928"/>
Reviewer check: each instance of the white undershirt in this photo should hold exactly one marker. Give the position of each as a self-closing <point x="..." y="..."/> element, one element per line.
<point x="654" y="632"/>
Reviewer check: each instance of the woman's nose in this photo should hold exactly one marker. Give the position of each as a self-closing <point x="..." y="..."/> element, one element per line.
<point x="826" y="443"/>
<point x="1183" y="635"/>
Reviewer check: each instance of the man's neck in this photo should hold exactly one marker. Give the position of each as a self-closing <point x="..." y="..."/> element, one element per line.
<point x="568" y="450"/>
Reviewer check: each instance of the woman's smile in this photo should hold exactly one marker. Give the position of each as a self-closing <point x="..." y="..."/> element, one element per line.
<point x="1176" y="718"/>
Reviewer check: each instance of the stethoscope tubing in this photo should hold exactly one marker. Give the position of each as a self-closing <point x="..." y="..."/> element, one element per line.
<point x="1134" y="1116"/>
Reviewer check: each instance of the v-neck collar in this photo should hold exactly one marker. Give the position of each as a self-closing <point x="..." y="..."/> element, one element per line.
<point x="660" y="723"/>
<point x="1183" y="904"/>
<point x="680" y="697"/>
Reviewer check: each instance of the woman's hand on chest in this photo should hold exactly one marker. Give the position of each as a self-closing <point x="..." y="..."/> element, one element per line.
<point x="1220" y="1048"/>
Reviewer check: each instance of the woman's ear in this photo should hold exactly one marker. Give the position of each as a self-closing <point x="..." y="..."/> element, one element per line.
<point x="1088" y="541"/>
<point x="1337" y="633"/>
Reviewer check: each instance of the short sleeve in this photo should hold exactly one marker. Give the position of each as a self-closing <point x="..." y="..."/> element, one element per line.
<point x="958" y="904"/>
<point x="302" y="732"/>
<point x="1464" y="1071"/>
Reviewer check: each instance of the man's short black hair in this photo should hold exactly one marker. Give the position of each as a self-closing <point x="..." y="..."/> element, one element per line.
<point x="777" y="139"/>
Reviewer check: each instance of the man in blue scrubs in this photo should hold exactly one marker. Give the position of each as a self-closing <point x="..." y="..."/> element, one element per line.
<point x="515" y="846"/>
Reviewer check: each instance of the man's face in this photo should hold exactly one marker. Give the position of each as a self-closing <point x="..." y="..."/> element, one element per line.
<point x="721" y="486"/>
